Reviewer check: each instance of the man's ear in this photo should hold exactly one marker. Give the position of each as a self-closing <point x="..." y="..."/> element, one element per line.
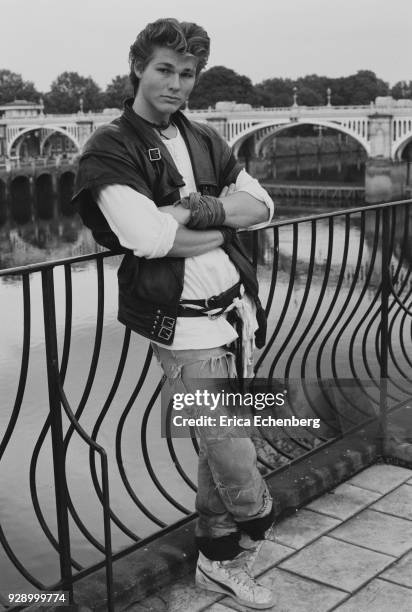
<point x="138" y="70"/>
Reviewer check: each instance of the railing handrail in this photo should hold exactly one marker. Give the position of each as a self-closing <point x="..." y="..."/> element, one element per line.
<point x="38" y="267"/>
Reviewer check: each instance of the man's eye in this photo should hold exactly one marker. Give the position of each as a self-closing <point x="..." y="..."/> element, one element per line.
<point x="164" y="70"/>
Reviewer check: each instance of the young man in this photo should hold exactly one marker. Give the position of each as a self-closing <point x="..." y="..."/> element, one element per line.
<point x="169" y="193"/>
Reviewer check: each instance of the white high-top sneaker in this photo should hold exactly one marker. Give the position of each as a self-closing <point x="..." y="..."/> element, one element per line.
<point x="253" y="547"/>
<point x="233" y="579"/>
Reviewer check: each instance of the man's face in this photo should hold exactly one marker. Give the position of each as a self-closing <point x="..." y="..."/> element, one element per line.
<point x="165" y="84"/>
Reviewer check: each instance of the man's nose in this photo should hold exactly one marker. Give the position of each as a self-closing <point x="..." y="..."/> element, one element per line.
<point x="174" y="82"/>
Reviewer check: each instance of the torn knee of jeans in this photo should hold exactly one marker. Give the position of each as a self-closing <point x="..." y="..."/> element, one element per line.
<point x="175" y="372"/>
<point x="238" y="496"/>
<point x="214" y="363"/>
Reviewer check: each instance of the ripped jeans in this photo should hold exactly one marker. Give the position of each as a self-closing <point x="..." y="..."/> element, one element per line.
<point x="232" y="496"/>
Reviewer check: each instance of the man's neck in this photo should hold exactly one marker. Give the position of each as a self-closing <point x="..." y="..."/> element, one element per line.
<point x="158" y="120"/>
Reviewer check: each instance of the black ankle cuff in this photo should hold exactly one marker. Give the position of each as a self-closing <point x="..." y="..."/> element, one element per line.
<point x="255" y="528"/>
<point x="220" y="549"/>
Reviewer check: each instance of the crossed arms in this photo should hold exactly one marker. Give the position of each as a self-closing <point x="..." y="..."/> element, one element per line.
<point x="156" y="232"/>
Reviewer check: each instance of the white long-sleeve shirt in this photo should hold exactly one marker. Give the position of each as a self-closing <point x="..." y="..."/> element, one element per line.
<point x="141" y="227"/>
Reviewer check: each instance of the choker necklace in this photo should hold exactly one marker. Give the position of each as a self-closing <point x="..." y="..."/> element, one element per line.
<point x="160" y="127"/>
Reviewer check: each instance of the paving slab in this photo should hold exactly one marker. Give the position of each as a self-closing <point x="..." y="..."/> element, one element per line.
<point x="379" y="596"/>
<point x="344" y="501"/>
<point x="269" y="555"/>
<point x="338" y="564"/>
<point x="377" y="531"/>
<point x="185" y="596"/>
<point x="151" y="604"/>
<point x="398" y="502"/>
<point x="381" y="478"/>
<point x="401" y="571"/>
<point x="295" y="593"/>
<point x="303" y="527"/>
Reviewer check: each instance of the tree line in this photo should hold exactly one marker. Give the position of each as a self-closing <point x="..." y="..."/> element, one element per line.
<point x="71" y="91"/>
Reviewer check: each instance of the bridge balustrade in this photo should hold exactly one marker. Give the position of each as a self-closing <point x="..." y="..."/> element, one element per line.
<point x="338" y="308"/>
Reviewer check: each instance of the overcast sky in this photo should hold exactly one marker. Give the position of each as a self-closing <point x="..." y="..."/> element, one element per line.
<point x="259" y="38"/>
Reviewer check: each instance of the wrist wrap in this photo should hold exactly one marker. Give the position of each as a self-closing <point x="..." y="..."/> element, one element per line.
<point x="205" y="211"/>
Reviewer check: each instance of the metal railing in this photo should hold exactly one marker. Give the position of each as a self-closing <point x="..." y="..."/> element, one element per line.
<point x="337" y="289"/>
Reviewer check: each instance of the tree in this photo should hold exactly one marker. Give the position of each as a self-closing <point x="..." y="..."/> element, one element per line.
<point x="360" y="88"/>
<point x="312" y="89"/>
<point x="309" y="97"/>
<point x="67" y="91"/>
<point x="274" y="92"/>
<point x="221" y="84"/>
<point x="12" y="87"/>
<point x="402" y="89"/>
<point x="117" y="91"/>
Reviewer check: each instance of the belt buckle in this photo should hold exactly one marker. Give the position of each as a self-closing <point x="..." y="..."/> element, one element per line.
<point x="208" y="300"/>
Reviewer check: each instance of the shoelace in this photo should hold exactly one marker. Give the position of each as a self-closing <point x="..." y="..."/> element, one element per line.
<point x="240" y="576"/>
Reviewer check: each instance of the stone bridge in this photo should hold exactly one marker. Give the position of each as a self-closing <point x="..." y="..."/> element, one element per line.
<point x="382" y="128"/>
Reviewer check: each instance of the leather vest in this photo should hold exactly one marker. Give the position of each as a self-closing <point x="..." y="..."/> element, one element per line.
<point x="129" y="152"/>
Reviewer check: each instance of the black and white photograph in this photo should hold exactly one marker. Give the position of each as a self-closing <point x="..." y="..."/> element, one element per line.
<point x="206" y="306"/>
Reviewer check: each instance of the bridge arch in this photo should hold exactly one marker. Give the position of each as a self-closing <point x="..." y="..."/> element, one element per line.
<point x="283" y="125"/>
<point x="399" y="146"/>
<point x="52" y="128"/>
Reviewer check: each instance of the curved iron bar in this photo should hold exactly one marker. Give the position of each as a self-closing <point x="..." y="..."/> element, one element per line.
<point x="145" y="452"/>
<point x="313" y="317"/>
<point x="398" y="269"/>
<point x="24" y="366"/>
<point x="319" y="300"/>
<point x="17" y="564"/>
<point x="33" y="491"/>
<point x="119" y="434"/>
<point x="172" y="451"/>
<point x="280" y="448"/>
<point x="105" y="481"/>
<point x="405" y="313"/>
<point x="286" y="304"/>
<point x="316" y="331"/>
<point x="195" y="444"/>
<point x="345" y="305"/>
<point x="14" y="416"/>
<point x="274" y="269"/>
<point x="378" y="312"/>
<point x="402" y="333"/>
<point x="299" y="313"/>
<point x="89" y="383"/>
<point x="37" y="448"/>
<point x="96" y="428"/>
<point x="398" y="301"/>
<point x="398" y="305"/>
<point x="339" y="283"/>
<point x="332" y="327"/>
<point x="365" y="315"/>
<point x="96" y="350"/>
<point x="357" y="303"/>
<point x="294" y="326"/>
<point x="67" y="321"/>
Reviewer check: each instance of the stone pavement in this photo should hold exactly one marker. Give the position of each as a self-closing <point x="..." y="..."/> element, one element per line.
<point x="349" y="550"/>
